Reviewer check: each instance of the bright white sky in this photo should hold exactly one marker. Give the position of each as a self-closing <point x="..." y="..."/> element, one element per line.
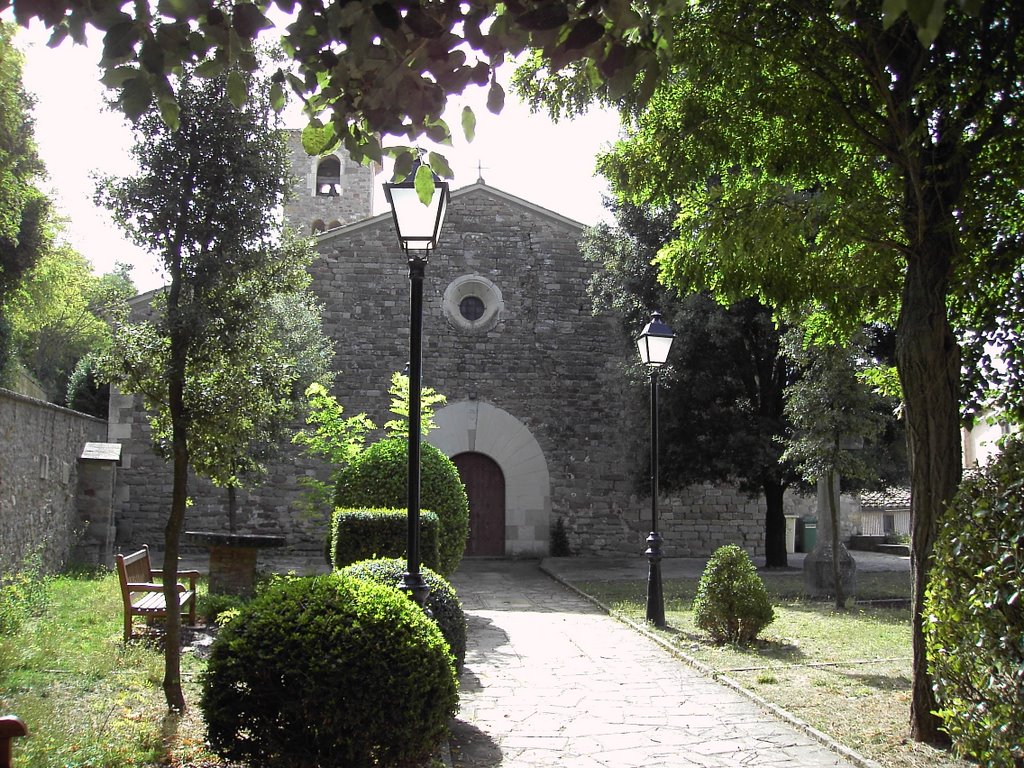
<point x="526" y="155"/>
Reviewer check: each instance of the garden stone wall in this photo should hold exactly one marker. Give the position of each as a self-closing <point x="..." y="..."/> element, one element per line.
<point x="39" y="448"/>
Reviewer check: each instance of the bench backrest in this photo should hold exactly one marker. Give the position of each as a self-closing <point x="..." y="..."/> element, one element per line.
<point x="134" y="568"/>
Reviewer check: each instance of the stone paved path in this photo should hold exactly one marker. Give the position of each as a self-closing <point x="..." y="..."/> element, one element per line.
<point x="552" y="681"/>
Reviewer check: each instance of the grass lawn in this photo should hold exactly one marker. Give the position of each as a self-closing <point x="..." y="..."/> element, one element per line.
<point x="846" y="673"/>
<point x="88" y="699"/>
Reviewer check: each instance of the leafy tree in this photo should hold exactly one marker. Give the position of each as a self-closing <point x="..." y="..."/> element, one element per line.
<point x="722" y="411"/>
<point x="339" y="439"/>
<point x="23" y="208"/>
<point x="283" y="354"/>
<point x="829" y="164"/>
<point x="429" y="400"/>
<point x="209" y="365"/>
<point x="834" y="414"/>
<point x="60" y="313"/>
<point x="331" y="436"/>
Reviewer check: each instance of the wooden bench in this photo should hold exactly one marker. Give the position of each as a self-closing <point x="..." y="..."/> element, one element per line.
<point x="10" y="728"/>
<point x="143" y="596"/>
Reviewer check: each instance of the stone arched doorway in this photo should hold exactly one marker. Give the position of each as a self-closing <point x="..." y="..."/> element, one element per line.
<point x="485" y="487"/>
<point x="472" y="426"/>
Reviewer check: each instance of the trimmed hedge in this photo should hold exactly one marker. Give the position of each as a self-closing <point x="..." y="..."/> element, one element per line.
<point x="378" y="477"/>
<point x="442" y="601"/>
<point x="363" y="534"/>
<point x="329" y="672"/>
<point x="732" y="603"/>
<point x="975" y="614"/>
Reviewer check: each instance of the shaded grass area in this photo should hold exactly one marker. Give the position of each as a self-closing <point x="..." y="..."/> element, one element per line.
<point x="846" y="673"/>
<point x="90" y="700"/>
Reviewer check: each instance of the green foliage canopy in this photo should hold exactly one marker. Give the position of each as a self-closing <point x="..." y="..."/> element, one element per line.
<point x="238" y="306"/>
<point x="23" y="208"/>
<point x="836" y="416"/>
<point x="363" y="71"/>
<point x="60" y="313"/>
<point x="721" y="405"/>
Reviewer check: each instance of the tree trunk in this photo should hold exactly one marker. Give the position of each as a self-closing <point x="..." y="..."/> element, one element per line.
<point x="928" y="360"/>
<point x="774" y="526"/>
<point x="172" y="535"/>
<point x="176" y="369"/>
<point x="833" y="513"/>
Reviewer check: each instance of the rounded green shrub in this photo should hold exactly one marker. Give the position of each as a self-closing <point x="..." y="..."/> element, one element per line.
<point x="378" y="477"/>
<point x="443" y="602"/>
<point x="975" y="614"/>
<point x="329" y="672"/>
<point x="732" y="604"/>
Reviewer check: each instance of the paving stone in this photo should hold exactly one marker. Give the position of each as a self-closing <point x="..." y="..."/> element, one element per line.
<point x="550" y="680"/>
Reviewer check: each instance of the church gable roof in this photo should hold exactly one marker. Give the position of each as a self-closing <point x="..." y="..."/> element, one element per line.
<point x="475" y="189"/>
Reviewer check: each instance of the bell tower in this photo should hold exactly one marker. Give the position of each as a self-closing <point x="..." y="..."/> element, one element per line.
<point x="328" y="191"/>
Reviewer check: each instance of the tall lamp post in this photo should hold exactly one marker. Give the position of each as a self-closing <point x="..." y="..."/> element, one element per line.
<point x="654" y="343"/>
<point x="418" y="226"/>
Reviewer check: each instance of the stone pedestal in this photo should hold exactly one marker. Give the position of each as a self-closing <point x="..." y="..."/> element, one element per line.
<point x="818" y="576"/>
<point x="233" y="559"/>
<point x="819" y="580"/>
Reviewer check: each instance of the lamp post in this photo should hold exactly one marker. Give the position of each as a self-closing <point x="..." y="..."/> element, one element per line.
<point x="654" y="343"/>
<point x="418" y="226"/>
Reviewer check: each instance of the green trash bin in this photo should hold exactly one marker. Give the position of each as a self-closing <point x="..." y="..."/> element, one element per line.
<point x="810" y="533"/>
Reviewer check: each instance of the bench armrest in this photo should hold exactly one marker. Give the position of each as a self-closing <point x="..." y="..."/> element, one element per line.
<point x="192" y="576"/>
<point x="11" y="726"/>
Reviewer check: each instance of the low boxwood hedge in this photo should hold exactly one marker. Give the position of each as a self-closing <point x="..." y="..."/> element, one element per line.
<point x="361" y="534"/>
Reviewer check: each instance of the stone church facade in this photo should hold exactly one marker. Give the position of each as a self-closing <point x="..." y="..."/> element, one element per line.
<point x="541" y="418"/>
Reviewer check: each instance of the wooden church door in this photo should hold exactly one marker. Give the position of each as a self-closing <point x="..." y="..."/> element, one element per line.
<point x="485" y="487"/>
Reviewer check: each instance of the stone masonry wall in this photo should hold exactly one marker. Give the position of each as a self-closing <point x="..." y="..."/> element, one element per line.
<point x="39" y="447"/>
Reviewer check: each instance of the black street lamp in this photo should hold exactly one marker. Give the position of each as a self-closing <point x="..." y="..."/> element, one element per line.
<point x="654" y="343"/>
<point x="418" y="226"/>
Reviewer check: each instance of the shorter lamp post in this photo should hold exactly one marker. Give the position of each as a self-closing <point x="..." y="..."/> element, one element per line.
<point x="418" y="226"/>
<point x="654" y="343"/>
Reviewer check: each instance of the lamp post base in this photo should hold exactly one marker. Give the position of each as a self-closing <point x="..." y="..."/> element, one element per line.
<point x="655" y="596"/>
<point x="416" y="589"/>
